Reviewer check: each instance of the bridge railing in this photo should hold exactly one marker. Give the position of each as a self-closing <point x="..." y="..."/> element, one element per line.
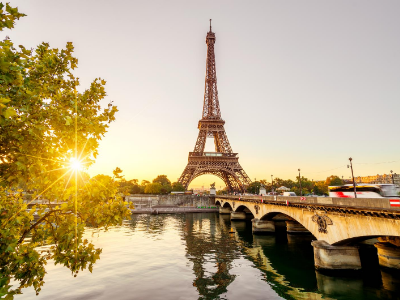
<point x="392" y="204"/>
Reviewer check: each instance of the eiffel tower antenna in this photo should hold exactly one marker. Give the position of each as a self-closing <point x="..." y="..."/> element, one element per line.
<point x="222" y="163"/>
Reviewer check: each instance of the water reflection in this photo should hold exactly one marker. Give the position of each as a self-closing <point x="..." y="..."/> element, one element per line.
<point x="195" y="256"/>
<point x="211" y="249"/>
<point x="285" y="262"/>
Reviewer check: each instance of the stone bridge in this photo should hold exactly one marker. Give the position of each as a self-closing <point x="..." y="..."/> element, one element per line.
<point x="338" y="224"/>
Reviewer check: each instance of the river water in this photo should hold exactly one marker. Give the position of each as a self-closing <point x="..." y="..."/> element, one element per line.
<point x="194" y="256"/>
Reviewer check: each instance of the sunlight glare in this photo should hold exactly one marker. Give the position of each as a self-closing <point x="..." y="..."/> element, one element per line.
<point x="75" y="164"/>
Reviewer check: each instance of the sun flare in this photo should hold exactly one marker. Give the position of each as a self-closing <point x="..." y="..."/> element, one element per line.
<point x="75" y="164"/>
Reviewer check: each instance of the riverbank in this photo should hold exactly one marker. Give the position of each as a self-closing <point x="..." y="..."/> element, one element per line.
<point x="172" y="210"/>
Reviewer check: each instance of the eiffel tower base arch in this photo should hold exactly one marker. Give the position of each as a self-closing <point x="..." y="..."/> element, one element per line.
<point x="229" y="171"/>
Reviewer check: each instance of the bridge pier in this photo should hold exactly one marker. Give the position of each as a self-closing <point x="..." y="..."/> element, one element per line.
<point x="238" y="216"/>
<point x="294" y="227"/>
<point x="224" y="210"/>
<point x="330" y="257"/>
<point x="388" y="255"/>
<point x="262" y="226"/>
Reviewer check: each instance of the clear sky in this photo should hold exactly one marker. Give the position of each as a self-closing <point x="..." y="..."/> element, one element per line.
<point x="302" y="84"/>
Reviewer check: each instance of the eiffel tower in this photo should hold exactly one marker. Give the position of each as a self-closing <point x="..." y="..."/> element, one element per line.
<point x="222" y="163"/>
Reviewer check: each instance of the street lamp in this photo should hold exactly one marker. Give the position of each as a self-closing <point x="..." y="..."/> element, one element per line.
<point x="301" y="192"/>
<point x="352" y="175"/>
<point x="392" y="176"/>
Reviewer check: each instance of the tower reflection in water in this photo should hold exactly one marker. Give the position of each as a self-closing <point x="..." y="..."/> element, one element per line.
<point x="211" y="249"/>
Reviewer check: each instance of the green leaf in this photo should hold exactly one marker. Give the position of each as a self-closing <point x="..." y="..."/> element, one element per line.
<point x="9" y="112"/>
<point x="68" y="120"/>
<point x="4" y="100"/>
<point x="10" y="248"/>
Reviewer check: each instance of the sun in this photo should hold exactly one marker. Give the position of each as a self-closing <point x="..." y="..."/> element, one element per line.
<point x="75" y="164"/>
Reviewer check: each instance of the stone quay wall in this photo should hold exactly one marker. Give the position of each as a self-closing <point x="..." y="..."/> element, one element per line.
<point x="145" y="201"/>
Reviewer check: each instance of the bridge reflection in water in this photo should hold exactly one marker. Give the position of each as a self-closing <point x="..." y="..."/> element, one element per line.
<point x="285" y="260"/>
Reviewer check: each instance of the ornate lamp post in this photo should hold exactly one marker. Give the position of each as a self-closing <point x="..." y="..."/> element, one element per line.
<point x="392" y="176"/>
<point x="301" y="192"/>
<point x="352" y="175"/>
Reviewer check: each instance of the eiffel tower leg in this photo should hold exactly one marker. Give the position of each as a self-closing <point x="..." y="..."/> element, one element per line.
<point x="232" y="182"/>
<point x="225" y="178"/>
<point x="243" y="177"/>
<point x="201" y="141"/>
<point x="187" y="176"/>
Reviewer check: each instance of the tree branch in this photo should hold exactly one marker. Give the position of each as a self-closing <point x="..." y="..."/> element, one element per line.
<point x="38" y="222"/>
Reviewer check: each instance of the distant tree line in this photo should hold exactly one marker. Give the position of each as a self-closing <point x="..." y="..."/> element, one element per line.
<point x="160" y="185"/>
<point x="307" y="186"/>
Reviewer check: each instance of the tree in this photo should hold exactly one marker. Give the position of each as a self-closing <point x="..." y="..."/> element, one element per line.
<point x="307" y="186"/>
<point x="224" y="191"/>
<point x="178" y="187"/>
<point x="254" y="187"/>
<point x="118" y="173"/>
<point x="165" y="184"/>
<point x="153" y="188"/>
<point x="130" y="187"/>
<point x="48" y="132"/>
<point x="144" y="182"/>
<point x="320" y="188"/>
<point x="333" y="180"/>
<point x="136" y="188"/>
<point x="162" y="179"/>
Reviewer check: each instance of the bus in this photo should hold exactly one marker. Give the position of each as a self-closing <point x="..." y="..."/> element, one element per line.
<point x="365" y="190"/>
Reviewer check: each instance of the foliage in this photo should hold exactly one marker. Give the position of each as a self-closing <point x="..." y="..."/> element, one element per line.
<point x="118" y="173"/>
<point x="165" y="184"/>
<point x="40" y="94"/>
<point x="333" y="180"/>
<point x="254" y="187"/>
<point x="222" y="192"/>
<point x="8" y="17"/>
<point x="54" y="228"/>
<point x="44" y="124"/>
<point x="144" y="183"/>
<point x="320" y="188"/>
<point x="177" y="187"/>
<point x="162" y="179"/>
<point x="130" y="187"/>
<point x="153" y="188"/>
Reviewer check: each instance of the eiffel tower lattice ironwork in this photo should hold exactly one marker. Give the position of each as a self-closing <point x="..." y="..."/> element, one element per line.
<point x="222" y="163"/>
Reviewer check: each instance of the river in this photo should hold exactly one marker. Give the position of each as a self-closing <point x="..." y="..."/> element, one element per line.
<point x="195" y="256"/>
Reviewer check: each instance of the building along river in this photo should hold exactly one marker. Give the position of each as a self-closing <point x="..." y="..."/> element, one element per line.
<point x="206" y="256"/>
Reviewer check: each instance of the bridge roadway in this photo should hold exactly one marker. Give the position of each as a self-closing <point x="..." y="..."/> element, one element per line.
<point x="338" y="224"/>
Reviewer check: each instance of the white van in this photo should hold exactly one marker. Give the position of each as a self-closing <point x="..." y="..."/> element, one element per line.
<point x="289" y="194"/>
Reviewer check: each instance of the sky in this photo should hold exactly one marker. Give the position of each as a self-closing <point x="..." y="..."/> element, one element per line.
<point x="301" y="84"/>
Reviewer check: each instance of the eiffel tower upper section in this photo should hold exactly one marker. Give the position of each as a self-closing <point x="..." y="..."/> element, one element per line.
<point x="211" y="109"/>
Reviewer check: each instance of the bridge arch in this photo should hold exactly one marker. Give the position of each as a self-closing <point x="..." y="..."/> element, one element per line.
<point x="227" y="205"/>
<point x="245" y="208"/>
<point x="339" y="230"/>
